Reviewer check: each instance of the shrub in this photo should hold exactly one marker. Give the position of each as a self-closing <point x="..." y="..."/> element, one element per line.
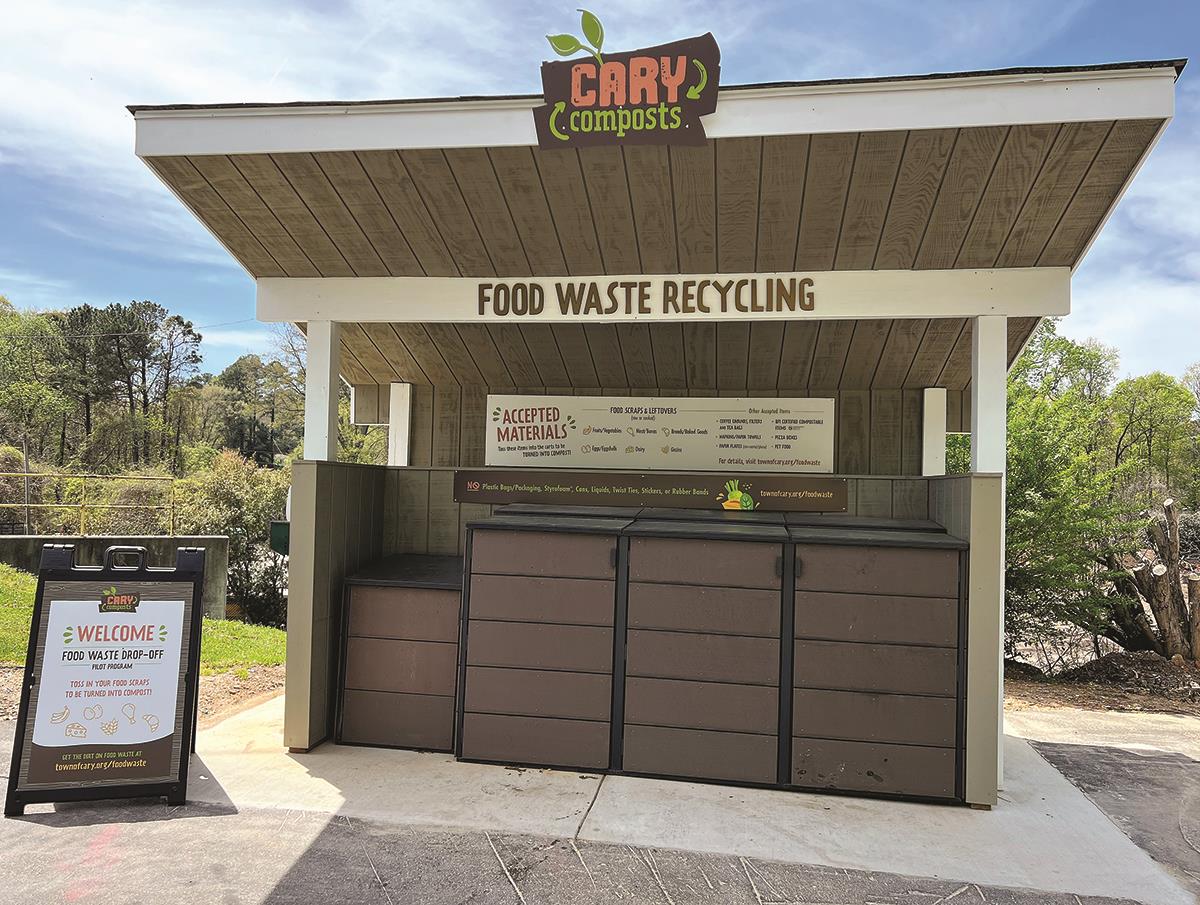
<point x="237" y="498"/>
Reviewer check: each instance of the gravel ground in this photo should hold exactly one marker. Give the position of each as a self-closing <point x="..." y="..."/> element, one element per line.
<point x="221" y="694"/>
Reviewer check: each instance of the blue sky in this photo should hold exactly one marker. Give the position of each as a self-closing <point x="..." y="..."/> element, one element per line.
<point x="81" y="219"/>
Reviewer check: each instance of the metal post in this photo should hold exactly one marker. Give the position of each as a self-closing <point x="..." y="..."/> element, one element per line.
<point x="25" y="456"/>
<point x="82" y="505"/>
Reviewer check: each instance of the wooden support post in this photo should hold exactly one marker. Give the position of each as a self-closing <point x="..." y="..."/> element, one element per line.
<point x="989" y="452"/>
<point x="399" y="422"/>
<point x="321" y="391"/>
<point x="933" y="432"/>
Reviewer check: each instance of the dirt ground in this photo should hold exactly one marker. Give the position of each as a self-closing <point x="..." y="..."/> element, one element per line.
<point x="221" y="695"/>
<point x="1022" y="694"/>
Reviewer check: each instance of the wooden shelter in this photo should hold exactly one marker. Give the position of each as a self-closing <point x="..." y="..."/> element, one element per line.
<point x="938" y="218"/>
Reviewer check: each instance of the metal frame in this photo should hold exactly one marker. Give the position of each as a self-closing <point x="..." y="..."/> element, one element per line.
<point x="58" y="565"/>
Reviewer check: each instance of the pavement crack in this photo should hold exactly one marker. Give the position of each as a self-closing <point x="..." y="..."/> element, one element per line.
<point x="371" y="861"/>
<point x="587" y="812"/>
<point x="754" y="886"/>
<point x="504" y="867"/>
<point x="579" y="855"/>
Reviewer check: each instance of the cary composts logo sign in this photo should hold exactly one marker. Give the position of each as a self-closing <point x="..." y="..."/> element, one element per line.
<point x="651" y="96"/>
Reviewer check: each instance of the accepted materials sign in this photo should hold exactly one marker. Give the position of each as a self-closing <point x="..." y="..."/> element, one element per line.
<point x="663" y="433"/>
<point x="655" y="95"/>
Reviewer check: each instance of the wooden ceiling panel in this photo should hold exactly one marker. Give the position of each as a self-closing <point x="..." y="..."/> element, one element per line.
<point x="1019" y="162"/>
<point x="454" y="352"/>
<point x="425" y="351"/>
<point x="351" y="369"/>
<point x="530" y="210"/>
<point x="352" y="184"/>
<point x="367" y="354"/>
<point x="1113" y="166"/>
<point x="967" y="175"/>
<point x="867" y="201"/>
<point x="606" y="354"/>
<point x="920" y="175"/>
<point x="781" y="194"/>
<point x="486" y="204"/>
<point x="693" y="176"/>
<point x="430" y="172"/>
<point x="510" y="344"/>
<point x="956" y="373"/>
<point x="826" y="181"/>
<point x="237" y="193"/>
<point x="700" y="346"/>
<point x="608" y="192"/>
<point x="829" y="356"/>
<point x="637" y="354"/>
<point x="483" y="352"/>
<point x="766" y="350"/>
<point x="1072" y="153"/>
<point x="652" y="201"/>
<point x="398" y="357"/>
<point x="209" y="207"/>
<point x="899" y="351"/>
<point x="862" y="358"/>
<point x="547" y="359"/>
<point x="738" y="168"/>
<point x="936" y="346"/>
<point x="670" y="364"/>
<point x="399" y="194"/>
<point x="562" y="181"/>
<point x="796" y="358"/>
<point x="309" y="180"/>
<point x="733" y="354"/>
<point x="576" y="356"/>
<point x="260" y="171"/>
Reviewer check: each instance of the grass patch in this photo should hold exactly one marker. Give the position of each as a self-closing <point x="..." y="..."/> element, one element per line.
<point x="227" y="645"/>
<point x="17" y="590"/>
<point x="224" y="645"/>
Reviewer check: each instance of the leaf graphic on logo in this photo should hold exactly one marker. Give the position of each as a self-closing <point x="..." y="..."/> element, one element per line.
<point x="592" y="29"/>
<point x="564" y="45"/>
<point x="68" y="635"/>
<point x="162" y="633"/>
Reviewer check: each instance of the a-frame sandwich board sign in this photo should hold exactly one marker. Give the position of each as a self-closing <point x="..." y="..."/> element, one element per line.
<point x="108" y="702"/>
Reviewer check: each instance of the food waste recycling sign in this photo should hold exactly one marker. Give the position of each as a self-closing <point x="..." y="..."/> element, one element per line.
<point x="108" y="690"/>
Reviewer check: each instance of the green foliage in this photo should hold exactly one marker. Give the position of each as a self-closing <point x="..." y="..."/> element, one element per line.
<point x="958" y="453"/>
<point x="17" y="590"/>
<point x="235" y="498"/>
<point x="224" y="645"/>
<point x="1085" y="455"/>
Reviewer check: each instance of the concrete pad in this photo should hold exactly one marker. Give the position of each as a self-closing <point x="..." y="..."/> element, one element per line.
<point x="1045" y="834"/>
<point x="244" y="763"/>
<point x="1173" y="733"/>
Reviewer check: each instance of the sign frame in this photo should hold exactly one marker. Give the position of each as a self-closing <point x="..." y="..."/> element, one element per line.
<point x="58" y="565"/>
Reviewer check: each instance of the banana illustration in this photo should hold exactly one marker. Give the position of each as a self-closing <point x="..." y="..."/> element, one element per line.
<point x="60" y="716"/>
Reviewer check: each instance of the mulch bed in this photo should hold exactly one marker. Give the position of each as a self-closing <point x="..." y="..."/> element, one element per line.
<point x="221" y="694"/>
<point x="1137" y="682"/>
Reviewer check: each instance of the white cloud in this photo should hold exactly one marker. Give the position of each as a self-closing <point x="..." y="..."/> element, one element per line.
<point x="249" y="340"/>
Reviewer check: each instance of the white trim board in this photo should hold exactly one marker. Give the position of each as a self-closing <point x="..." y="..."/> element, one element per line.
<point x="962" y="102"/>
<point x="838" y="295"/>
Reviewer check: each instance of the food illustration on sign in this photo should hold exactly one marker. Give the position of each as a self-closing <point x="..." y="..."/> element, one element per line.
<point x="60" y="716"/>
<point x="151" y="721"/>
<point x="93" y="713"/>
<point x="76" y="730"/>
<point x="110" y="728"/>
<point x="129" y="711"/>
<point x="735" y="498"/>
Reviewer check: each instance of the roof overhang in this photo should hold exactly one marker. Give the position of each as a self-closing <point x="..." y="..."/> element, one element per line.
<point x="928" y="200"/>
<point x="1004" y="97"/>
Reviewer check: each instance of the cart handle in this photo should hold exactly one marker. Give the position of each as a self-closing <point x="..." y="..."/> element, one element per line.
<point x="137" y="553"/>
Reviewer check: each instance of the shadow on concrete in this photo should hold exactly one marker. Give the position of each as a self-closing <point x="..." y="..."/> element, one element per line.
<point x="135" y="810"/>
<point x="357" y="861"/>
<point x="1152" y="796"/>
